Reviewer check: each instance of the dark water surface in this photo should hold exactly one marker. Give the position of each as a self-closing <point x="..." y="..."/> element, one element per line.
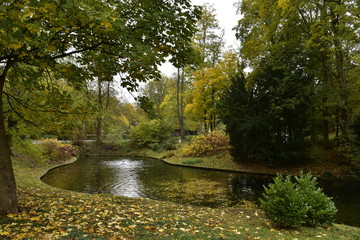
<point x="154" y="179"/>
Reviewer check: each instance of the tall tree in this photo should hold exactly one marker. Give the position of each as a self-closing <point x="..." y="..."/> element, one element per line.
<point x="45" y="34"/>
<point x="268" y="120"/>
<point x="209" y="85"/>
<point x="209" y="39"/>
<point x="322" y="33"/>
<point x="102" y="69"/>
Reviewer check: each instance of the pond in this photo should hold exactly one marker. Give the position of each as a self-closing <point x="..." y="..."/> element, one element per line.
<point x="154" y="179"/>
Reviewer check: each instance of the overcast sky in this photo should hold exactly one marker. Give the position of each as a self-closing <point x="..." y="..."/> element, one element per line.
<point x="226" y="15"/>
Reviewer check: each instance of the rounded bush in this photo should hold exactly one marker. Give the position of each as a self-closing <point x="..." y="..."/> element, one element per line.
<point x="207" y="145"/>
<point x="155" y="134"/>
<point x="56" y="151"/>
<point x="290" y="204"/>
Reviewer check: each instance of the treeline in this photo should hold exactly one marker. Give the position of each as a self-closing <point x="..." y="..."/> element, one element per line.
<point x="303" y="85"/>
<point x="290" y="93"/>
<point x="292" y="86"/>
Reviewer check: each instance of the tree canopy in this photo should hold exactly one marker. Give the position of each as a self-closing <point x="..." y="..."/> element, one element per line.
<point x="65" y="36"/>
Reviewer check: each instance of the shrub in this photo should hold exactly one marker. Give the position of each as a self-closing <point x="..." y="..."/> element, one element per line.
<point x="29" y="151"/>
<point x="55" y="151"/>
<point x="155" y="134"/>
<point x="169" y="144"/>
<point x="290" y="204"/>
<point x="207" y="145"/>
<point x="321" y="209"/>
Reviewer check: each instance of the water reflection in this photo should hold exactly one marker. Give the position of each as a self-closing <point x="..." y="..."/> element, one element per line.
<point x="149" y="178"/>
<point x="123" y="177"/>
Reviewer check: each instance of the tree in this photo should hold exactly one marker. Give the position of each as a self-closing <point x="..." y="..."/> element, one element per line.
<point x="140" y="34"/>
<point x="102" y="70"/>
<point x="267" y="121"/>
<point x="209" y="85"/>
<point x="157" y="90"/>
<point x="209" y="37"/>
<point x="324" y="34"/>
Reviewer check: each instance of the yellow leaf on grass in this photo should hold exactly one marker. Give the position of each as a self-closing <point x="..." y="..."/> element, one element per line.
<point x="35" y="218"/>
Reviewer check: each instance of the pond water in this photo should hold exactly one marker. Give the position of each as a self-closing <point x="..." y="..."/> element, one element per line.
<point x="154" y="179"/>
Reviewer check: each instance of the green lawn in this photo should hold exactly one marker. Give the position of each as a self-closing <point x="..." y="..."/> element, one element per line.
<point x="49" y="213"/>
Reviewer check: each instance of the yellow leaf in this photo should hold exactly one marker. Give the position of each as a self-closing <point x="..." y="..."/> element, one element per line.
<point x="51" y="48"/>
<point x="15" y="46"/>
<point x="35" y="218"/>
<point x="106" y="24"/>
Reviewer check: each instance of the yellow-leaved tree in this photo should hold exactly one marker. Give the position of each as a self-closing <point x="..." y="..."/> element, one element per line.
<point x="209" y="85"/>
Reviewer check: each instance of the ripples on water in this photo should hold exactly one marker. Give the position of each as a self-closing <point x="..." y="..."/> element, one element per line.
<point x="125" y="178"/>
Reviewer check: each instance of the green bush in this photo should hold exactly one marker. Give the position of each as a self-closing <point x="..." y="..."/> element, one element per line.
<point x="155" y="134"/>
<point x="207" y="145"/>
<point x="169" y="144"/>
<point x="290" y="204"/>
<point x="29" y="151"/>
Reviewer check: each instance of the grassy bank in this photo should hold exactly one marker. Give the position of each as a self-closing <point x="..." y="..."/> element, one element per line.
<point x="49" y="213"/>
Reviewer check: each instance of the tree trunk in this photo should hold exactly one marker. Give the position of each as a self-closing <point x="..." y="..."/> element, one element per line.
<point x="179" y="103"/>
<point x="340" y="71"/>
<point x="83" y="131"/>
<point x="99" y="129"/>
<point x="8" y="198"/>
<point x="325" y="124"/>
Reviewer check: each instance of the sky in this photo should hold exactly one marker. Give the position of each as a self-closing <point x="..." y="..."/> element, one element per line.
<point x="226" y="15"/>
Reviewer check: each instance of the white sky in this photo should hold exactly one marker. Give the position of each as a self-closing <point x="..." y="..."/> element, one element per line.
<point x="226" y="15"/>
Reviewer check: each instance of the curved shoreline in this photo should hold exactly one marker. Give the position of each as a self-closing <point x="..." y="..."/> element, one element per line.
<point x="194" y="166"/>
<point x="68" y="162"/>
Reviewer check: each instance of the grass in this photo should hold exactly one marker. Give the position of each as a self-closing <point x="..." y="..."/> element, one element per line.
<point x="50" y="213"/>
<point x="192" y="161"/>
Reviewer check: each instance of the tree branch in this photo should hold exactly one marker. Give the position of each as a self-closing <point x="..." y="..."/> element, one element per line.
<point x="41" y="110"/>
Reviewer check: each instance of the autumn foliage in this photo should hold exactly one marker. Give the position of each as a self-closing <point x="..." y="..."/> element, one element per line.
<point x="207" y="145"/>
<point x="56" y="151"/>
